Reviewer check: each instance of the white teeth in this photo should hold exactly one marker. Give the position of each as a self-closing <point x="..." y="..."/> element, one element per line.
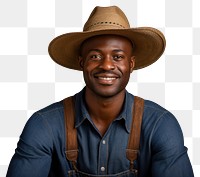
<point x="107" y="78"/>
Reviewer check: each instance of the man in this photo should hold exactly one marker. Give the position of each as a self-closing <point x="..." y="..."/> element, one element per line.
<point x="99" y="141"/>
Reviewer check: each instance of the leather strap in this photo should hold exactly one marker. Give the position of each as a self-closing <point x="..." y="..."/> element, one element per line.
<point x="134" y="137"/>
<point x="70" y="130"/>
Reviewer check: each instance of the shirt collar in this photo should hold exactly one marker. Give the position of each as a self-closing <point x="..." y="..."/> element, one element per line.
<point x="82" y="112"/>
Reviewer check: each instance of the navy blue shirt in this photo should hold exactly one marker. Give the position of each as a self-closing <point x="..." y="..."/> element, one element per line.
<point x="41" y="149"/>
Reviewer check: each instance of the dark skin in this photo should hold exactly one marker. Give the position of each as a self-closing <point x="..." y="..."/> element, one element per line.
<point x="107" y="62"/>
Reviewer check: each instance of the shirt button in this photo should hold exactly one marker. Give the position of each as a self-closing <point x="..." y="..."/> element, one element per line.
<point x="104" y="142"/>
<point x="102" y="168"/>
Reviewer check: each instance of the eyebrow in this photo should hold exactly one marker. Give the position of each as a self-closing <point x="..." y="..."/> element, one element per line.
<point x="94" y="50"/>
<point x="98" y="50"/>
<point x="118" y="50"/>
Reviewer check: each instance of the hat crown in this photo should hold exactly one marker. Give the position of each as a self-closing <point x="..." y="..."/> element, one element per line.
<point x="103" y="18"/>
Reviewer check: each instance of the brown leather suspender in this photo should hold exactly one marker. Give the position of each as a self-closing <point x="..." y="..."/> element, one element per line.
<point x="71" y="133"/>
<point x="134" y="137"/>
<point x="70" y="130"/>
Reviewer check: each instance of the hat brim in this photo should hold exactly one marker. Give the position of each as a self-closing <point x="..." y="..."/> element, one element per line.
<point x="149" y="45"/>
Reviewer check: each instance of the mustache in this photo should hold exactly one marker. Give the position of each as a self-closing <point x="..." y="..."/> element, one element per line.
<point x="108" y="72"/>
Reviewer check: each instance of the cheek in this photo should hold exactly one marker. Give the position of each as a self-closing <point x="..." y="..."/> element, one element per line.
<point x="90" y="66"/>
<point x="125" y="68"/>
<point x="88" y="71"/>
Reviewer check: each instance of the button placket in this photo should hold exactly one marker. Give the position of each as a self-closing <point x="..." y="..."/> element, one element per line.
<point x="103" y="157"/>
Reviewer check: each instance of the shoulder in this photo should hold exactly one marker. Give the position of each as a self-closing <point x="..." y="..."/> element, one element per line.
<point x="152" y="107"/>
<point x="160" y="124"/>
<point x="50" y="113"/>
<point x="152" y="111"/>
<point x="157" y="119"/>
<point x="56" y="107"/>
<point x="45" y="122"/>
<point x="155" y="112"/>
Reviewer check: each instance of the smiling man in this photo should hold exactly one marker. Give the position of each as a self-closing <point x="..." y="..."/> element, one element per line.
<point x="103" y="131"/>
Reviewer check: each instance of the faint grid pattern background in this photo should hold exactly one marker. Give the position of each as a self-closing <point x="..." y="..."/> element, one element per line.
<point x="30" y="80"/>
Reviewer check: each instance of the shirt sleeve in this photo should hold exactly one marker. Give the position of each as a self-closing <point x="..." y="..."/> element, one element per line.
<point x="169" y="155"/>
<point x="32" y="156"/>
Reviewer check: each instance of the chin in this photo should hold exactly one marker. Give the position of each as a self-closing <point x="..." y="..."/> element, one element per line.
<point x="108" y="93"/>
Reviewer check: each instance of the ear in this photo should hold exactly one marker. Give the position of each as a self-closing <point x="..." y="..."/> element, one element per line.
<point x="80" y="60"/>
<point x="132" y="63"/>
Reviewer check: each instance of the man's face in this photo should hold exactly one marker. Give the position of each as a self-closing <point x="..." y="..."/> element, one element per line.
<point x="107" y="62"/>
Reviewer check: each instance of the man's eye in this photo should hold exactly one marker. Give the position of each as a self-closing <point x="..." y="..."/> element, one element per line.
<point x="118" y="57"/>
<point x="95" y="57"/>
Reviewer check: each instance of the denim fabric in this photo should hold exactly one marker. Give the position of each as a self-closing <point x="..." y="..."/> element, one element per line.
<point x="41" y="149"/>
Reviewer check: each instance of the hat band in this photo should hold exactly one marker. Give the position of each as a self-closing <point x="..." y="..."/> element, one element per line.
<point x="103" y="25"/>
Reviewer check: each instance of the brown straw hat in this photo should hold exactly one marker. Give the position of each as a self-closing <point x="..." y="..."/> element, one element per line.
<point x="149" y="43"/>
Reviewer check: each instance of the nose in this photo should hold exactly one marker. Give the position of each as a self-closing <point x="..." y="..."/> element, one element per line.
<point x="107" y="64"/>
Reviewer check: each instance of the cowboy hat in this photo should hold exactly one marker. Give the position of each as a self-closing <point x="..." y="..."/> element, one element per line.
<point x="149" y="43"/>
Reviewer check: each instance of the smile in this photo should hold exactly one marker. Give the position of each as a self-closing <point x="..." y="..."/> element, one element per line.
<point x="107" y="78"/>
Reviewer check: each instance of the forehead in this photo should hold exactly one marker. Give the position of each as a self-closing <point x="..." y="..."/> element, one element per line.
<point x="107" y="41"/>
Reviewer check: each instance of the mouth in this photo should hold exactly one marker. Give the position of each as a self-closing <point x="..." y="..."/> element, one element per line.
<point x="106" y="79"/>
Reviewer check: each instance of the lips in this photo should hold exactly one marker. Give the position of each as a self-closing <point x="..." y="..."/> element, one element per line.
<point x="106" y="79"/>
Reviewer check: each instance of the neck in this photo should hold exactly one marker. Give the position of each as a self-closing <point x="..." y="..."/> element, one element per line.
<point x="103" y="110"/>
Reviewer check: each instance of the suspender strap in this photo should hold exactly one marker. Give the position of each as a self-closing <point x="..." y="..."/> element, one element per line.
<point x="134" y="137"/>
<point x="70" y="130"/>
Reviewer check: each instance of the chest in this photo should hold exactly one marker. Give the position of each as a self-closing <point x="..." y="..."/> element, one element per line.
<point x="96" y="151"/>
